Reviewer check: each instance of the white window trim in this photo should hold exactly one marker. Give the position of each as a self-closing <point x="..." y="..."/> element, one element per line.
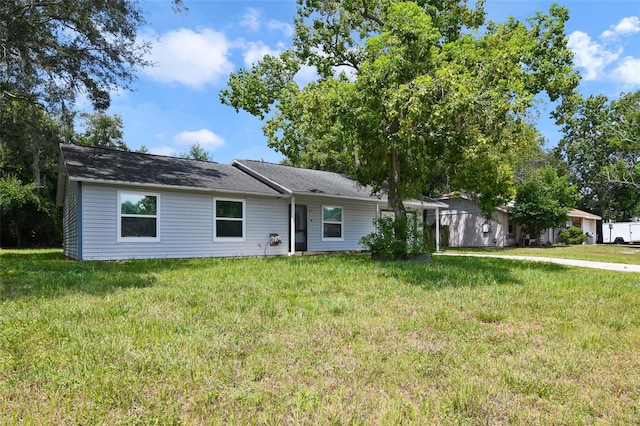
<point x="341" y="238"/>
<point x="122" y="239"/>
<point x="387" y="213"/>
<point x="244" y="220"/>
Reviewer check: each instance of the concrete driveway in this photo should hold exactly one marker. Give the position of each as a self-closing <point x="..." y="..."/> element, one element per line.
<point x="568" y="262"/>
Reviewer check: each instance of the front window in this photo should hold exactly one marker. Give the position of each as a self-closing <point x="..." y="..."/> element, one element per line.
<point x="138" y="218"/>
<point x="229" y="219"/>
<point x="332" y="223"/>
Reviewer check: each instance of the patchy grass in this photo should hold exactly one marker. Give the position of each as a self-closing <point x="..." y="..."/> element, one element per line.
<point x="615" y="253"/>
<point x="315" y="340"/>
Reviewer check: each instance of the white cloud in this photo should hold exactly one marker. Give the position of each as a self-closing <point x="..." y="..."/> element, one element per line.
<point x="629" y="71"/>
<point x="305" y="75"/>
<point x="191" y="58"/>
<point x="286" y="29"/>
<point x="590" y="55"/>
<point x="255" y="51"/>
<point x="628" y="25"/>
<point x="251" y="19"/>
<point x="348" y="71"/>
<point x="204" y="137"/>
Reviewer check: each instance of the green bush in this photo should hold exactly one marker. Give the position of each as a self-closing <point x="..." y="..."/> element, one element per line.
<point x="384" y="243"/>
<point x="573" y="235"/>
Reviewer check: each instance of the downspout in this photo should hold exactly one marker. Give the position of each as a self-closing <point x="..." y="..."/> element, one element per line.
<point x="437" y="229"/>
<point x="292" y="225"/>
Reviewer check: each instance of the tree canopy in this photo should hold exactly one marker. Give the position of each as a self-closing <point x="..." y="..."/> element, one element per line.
<point x="29" y="140"/>
<point x="601" y="148"/>
<point x="52" y="50"/>
<point x="624" y="129"/>
<point x="102" y="130"/>
<point x="411" y="95"/>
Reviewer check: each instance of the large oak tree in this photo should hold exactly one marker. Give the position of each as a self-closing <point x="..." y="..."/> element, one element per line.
<point x="409" y="94"/>
<point x="51" y="50"/>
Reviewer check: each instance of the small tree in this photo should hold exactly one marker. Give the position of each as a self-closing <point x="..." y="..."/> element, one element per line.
<point x="543" y="201"/>
<point x="103" y="130"/>
<point x="197" y="152"/>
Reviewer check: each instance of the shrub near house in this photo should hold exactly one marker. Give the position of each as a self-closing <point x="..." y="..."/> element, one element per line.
<point x="572" y="235"/>
<point x="384" y="243"/>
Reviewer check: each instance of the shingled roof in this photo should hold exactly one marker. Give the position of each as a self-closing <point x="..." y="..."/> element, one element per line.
<point x="102" y="165"/>
<point x="295" y="180"/>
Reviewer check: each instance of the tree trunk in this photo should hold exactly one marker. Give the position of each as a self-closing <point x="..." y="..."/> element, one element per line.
<point x="36" y="167"/>
<point x="394" y="198"/>
<point x="395" y="201"/>
<point x="17" y="231"/>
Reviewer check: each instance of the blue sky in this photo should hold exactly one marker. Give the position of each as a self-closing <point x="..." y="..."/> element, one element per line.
<point x="176" y="103"/>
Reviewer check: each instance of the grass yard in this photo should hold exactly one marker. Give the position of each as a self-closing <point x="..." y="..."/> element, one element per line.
<point x="334" y="339"/>
<point x="615" y="253"/>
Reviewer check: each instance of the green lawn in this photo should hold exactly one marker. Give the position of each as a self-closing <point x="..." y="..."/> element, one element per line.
<point x="316" y="340"/>
<point x="623" y="253"/>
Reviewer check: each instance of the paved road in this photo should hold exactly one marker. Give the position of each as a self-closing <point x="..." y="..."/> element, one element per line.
<point x="569" y="262"/>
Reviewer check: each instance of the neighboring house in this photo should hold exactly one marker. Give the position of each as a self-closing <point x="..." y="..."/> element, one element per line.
<point x="578" y="218"/>
<point x="124" y="205"/>
<point x="467" y="226"/>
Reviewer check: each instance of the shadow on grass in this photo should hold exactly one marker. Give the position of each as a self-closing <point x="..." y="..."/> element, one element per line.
<point x="47" y="273"/>
<point x="448" y="272"/>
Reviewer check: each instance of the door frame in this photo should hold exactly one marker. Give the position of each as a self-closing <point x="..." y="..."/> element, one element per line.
<point x="302" y="246"/>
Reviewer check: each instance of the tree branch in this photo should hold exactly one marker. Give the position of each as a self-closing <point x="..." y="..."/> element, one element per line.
<point x="367" y="15"/>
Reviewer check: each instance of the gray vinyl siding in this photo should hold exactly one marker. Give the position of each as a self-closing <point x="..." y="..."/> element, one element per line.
<point x="186" y="226"/>
<point x="465" y="220"/>
<point x="357" y="221"/>
<point x="70" y="241"/>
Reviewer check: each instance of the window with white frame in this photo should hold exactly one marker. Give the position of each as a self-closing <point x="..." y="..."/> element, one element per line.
<point x="229" y="219"/>
<point x="138" y="216"/>
<point x="332" y="223"/>
<point x="387" y="213"/>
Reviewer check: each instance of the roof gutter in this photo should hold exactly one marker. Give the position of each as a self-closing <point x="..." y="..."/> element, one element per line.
<point x="425" y="204"/>
<point x="343" y="197"/>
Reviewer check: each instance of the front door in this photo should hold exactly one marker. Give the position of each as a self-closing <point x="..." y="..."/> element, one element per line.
<point x="300" y="227"/>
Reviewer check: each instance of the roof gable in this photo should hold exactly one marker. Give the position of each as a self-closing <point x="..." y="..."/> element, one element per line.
<point x="103" y="165"/>
<point x="583" y="214"/>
